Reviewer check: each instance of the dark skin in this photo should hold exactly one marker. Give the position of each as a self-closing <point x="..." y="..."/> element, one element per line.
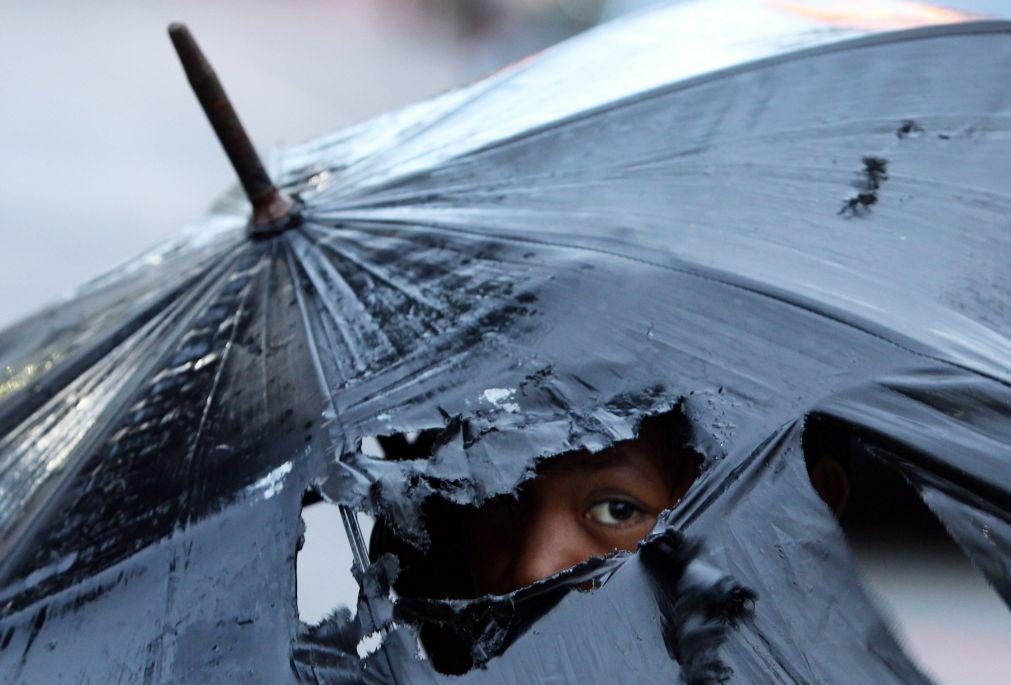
<point x="584" y="506"/>
<point x="577" y="507"/>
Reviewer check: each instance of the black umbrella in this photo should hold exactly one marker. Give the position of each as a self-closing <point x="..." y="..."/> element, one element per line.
<point x="813" y="243"/>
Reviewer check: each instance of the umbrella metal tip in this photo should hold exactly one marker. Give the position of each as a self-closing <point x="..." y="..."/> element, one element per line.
<point x="272" y="209"/>
<point x="178" y="31"/>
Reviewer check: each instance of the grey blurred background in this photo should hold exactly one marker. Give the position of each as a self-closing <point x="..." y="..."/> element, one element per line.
<point x="104" y="152"/>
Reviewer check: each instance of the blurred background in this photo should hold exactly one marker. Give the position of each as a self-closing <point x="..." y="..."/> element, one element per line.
<point x="104" y="152"/>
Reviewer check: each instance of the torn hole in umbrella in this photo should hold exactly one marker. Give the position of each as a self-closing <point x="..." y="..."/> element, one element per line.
<point x="575" y="518"/>
<point x="323" y="566"/>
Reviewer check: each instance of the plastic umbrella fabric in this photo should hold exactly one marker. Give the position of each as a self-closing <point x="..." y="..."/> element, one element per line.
<point x="530" y="266"/>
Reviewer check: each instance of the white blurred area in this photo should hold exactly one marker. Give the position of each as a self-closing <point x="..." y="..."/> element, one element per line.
<point x="946" y="616"/>
<point x="324" y="580"/>
<point x="104" y="151"/>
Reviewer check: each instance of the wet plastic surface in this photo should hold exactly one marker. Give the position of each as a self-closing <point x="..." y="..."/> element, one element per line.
<point x="531" y="266"/>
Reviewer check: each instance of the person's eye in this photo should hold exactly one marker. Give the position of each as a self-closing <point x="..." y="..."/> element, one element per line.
<point x="615" y="512"/>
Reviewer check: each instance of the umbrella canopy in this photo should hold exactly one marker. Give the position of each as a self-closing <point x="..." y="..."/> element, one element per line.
<point x="528" y="267"/>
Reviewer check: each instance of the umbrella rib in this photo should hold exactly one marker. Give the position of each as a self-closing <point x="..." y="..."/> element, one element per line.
<point x="412" y="294"/>
<point x="399" y="191"/>
<point x="324" y="277"/>
<point x="849" y="45"/>
<point x="209" y="402"/>
<point x="321" y="380"/>
<point x="354" y="534"/>
<point x="716" y="276"/>
<point x="635" y="99"/>
<point x="93" y="379"/>
<point x="175" y="314"/>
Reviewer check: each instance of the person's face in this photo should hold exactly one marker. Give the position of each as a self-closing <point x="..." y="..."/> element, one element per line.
<point x="577" y="507"/>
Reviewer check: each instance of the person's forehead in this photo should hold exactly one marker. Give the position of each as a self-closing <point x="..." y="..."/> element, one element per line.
<point x="639" y="455"/>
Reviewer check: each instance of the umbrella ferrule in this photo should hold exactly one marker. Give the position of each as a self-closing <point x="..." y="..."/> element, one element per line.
<point x="275" y="215"/>
<point x="272" y="208"/>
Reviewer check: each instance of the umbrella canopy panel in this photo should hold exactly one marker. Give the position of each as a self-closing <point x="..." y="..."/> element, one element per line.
<point x="820" y="234"/>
